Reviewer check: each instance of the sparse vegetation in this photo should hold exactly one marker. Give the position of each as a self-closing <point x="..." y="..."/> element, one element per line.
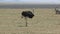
<point x="44" y="22"/>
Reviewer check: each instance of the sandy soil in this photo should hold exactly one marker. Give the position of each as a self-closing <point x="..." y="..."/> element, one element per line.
<point x="45" y="21"/>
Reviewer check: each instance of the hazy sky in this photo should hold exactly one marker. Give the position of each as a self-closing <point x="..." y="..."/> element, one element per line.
<point x="33" y="1"/>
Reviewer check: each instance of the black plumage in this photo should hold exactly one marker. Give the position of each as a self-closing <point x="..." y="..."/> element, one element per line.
<point x="27" y="14"/>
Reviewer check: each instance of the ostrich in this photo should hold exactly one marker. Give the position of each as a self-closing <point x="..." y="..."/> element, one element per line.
<point x="27" y="14"/>
<point x="57" y="11"/>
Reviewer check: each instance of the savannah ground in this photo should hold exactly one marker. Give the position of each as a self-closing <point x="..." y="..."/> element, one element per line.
<point x="45" y="21"/>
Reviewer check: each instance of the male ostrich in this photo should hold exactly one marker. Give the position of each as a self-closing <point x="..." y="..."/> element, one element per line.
<point x="27" y="14"/>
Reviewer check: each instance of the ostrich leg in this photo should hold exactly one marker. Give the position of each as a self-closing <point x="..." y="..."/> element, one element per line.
<point x="26" y="21"/>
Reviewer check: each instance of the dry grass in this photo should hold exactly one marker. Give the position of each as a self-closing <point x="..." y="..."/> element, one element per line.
<point x="45" y="21"/>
